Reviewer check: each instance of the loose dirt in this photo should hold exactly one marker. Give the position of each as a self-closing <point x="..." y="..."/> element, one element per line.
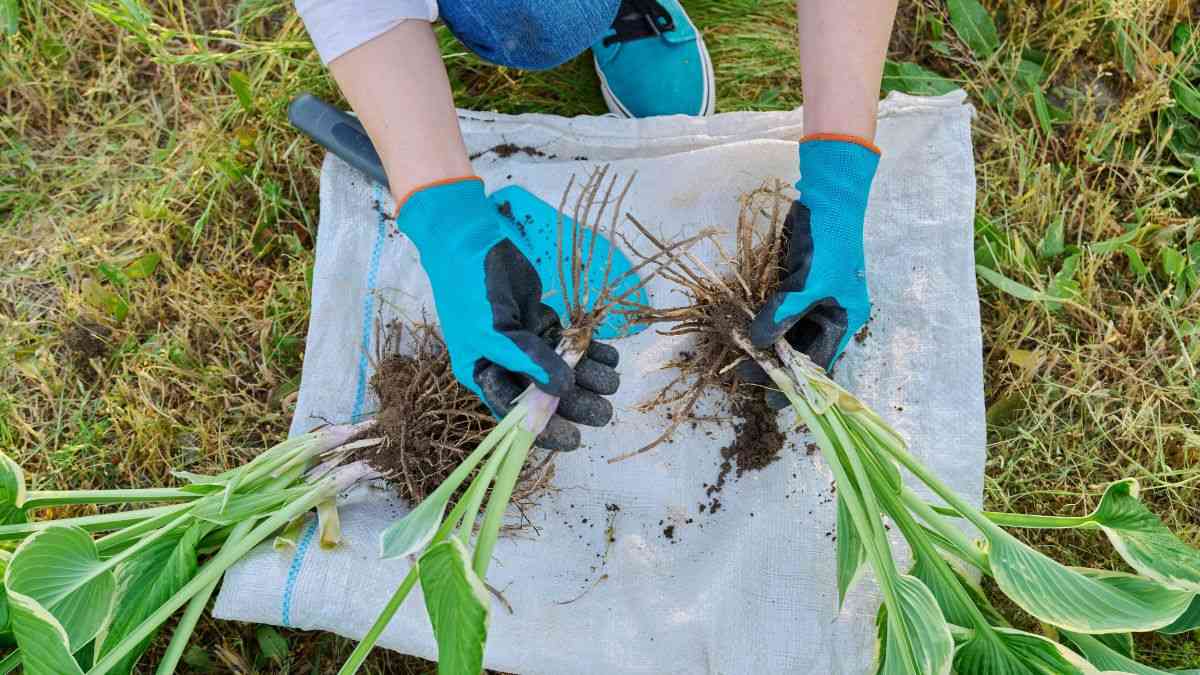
<point x="85" y="341"/>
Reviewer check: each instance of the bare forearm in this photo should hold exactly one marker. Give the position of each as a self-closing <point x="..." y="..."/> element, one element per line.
<point x="397" y="85"/>
<point x="842" y="49"/>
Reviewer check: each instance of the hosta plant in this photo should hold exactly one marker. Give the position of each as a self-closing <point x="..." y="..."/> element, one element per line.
<point x="934" y="619"/>
<point x="87" y="594"/>
<point x="451" y="551"/>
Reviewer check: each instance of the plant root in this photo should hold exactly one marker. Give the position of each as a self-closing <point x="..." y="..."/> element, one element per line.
<point x="718" y="308"/>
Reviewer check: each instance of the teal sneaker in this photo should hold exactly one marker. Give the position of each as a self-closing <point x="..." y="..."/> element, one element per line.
<point x="653" y="62"/>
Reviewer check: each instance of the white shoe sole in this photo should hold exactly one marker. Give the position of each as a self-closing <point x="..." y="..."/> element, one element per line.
<point x="710" y="97"/>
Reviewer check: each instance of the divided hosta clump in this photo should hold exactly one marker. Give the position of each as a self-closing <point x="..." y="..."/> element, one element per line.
<point x="87" y="594"/>
<point x="934" y="619"/>
<point x="451" y="545"/>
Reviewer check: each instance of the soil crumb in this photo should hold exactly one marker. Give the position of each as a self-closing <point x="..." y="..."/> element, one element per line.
<point x="86" y="340"/>
<point x="428" y="421"/>
<point x="505" y="150"/>
<point x="669" y="532"/>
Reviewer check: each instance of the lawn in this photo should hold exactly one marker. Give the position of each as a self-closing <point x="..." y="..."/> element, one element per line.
<point x="157" y="217"/>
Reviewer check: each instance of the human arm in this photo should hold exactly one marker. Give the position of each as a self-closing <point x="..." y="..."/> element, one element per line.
<point x="823" y="299"/>
<point x="488" y="297"/>
<point x="398" y="87"/>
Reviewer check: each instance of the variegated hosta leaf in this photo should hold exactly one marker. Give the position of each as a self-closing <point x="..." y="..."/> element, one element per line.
<point x="1107" y="659"/>
<point x="1143" y="541"/>
<point x="147" y="580"/>
<point x="12" y="491"/>
<point x="1187" y="622"/>
<point x="1069" y="599"/>
<point x="918" y="616"/>
<point x="457" y="602"/>
<point x="60" y="570"/>
<point x="411" y="533"/>
<point x="1007" y="651"/>
<point x="42" y="639"/>
<point x="851" y="556"/>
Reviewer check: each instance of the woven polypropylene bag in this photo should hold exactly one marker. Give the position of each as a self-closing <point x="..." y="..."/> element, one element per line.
<point x="748" y="589"/>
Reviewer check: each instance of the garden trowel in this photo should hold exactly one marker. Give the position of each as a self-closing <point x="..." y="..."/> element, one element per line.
<point x="533" y="222"/>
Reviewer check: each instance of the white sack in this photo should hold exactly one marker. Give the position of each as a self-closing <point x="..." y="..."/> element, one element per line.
<point x="749" y="589"/>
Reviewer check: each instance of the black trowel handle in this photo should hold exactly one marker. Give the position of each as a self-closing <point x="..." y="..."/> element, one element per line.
<point x="337" y="132"/>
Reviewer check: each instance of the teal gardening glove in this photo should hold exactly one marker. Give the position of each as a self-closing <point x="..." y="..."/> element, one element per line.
<point x="823" y="300"/>
<point x="499" y="334"/>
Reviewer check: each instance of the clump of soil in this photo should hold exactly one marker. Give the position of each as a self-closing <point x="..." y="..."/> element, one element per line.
<point x="86" y="340"/>
<point x="428" y="421"/>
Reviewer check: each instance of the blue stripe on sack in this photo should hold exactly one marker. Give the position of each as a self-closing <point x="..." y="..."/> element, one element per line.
<point x="294" y="571"/>
<point x="360" y="389"/>
<point x="360" y="396"/>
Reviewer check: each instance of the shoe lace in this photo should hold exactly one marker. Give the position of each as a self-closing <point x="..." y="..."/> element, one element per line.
<point x="637" y="19"/>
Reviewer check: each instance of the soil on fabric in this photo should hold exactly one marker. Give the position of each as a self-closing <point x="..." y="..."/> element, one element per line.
<point x="505" y="150"/>
<point x="428" y="421"/>
<point x="757" y="443"/>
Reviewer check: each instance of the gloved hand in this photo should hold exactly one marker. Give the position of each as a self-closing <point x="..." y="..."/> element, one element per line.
<point x="499" y="334"/>
<point x="823" y="299"/>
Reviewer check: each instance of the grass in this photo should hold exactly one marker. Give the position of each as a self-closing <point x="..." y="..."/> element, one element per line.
<point x="132" y="130"/>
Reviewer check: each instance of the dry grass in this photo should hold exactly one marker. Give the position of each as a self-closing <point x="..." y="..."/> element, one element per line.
<point x="121" y="136"/>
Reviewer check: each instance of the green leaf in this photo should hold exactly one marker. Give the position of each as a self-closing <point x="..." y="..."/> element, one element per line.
<point x="198" y="659"/>
<point x="911" y="78"/>
<point x="1143" y="541"/>
<point x="1107" y="659"/>
<point x="1053" y="242"/>
<point x="1125" y="49"/>
<point x="1063" y="285"/>
<point x="10" y="17"/>
<point x="1109" y="246"/>
<point x="1013" y="288"/>
<point x="241" y="507"/>
<point x="1007" y="651"/>
<point x="113" y="274"/>
<point x="12" y="492"/>
<point x="1180" y="38"/>
<point x="143" y="267"/>
<point x="5" y="616"/>
<point x="42" y="639"/>
<point x="918" y="615"/>
<point x="416" y="529"/>
<point x="101" y="298"/>
<point x="1187" y="622"/>
<point x="146" y="581"/>
<point x="1186" y="96"/>
<point x="272" y="645"/>
<point x="241" y="87"/>
<point x="974" y="26"/>
<point x="1069" y="599"/>
<point x="851" y="555"/>
<point x="1172" y="261"/>
<point x="1135" y="261"/>
<point x="60" y="570"/>
<point x="1042" y="110"/>
<point x="457" y="602"/>
<point x="1121" y="642"/>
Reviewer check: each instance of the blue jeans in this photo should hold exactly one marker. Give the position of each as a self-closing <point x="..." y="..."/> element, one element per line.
<point x="528" y="34"/>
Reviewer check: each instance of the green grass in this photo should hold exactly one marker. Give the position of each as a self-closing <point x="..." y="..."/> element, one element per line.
<point x="122" y="135"/>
